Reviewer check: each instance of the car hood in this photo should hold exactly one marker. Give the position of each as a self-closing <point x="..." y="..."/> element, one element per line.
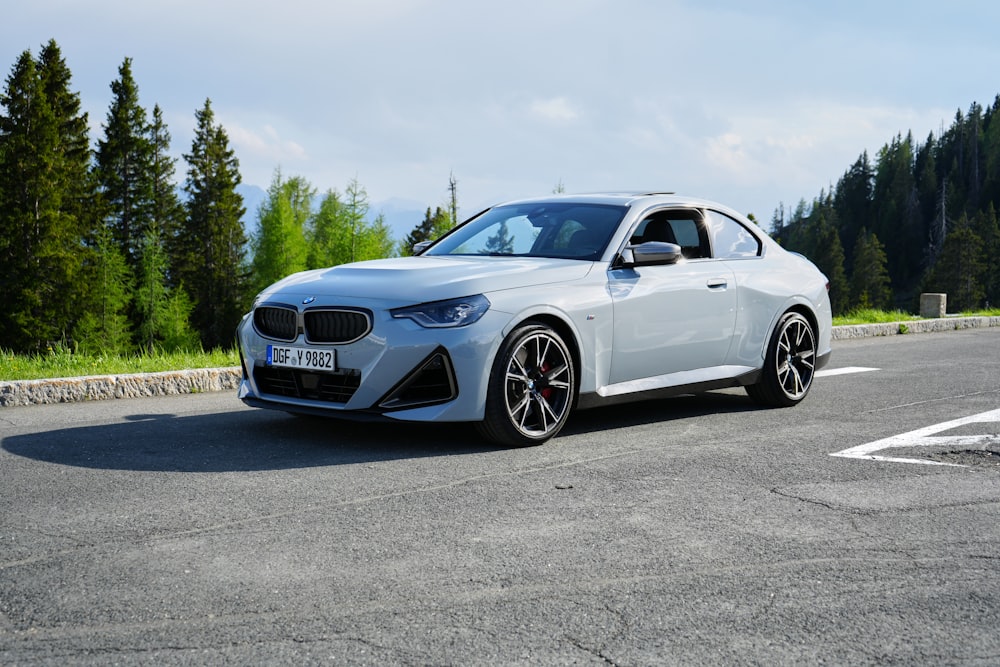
<point x="420" y="279"/>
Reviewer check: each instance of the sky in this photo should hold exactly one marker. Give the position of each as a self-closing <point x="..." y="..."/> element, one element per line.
<point x="747" y="103"/>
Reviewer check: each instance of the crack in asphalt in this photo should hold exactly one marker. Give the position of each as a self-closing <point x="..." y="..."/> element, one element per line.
<point x="592" y="651"/>
<point x="871" y="512"/>
<point x="931" y="400"/>
<point x="811" y="501"/>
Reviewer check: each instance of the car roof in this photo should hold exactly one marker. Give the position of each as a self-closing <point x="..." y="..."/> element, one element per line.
<point x="638" y="198"/>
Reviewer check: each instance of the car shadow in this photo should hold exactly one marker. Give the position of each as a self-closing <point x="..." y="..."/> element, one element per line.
<point x="659" y="410"/>
<point x="240" y="441"/>
<point x="257" y="440"/>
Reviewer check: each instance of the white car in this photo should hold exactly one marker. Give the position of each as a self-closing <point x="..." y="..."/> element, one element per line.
<point x="536" y="307"/>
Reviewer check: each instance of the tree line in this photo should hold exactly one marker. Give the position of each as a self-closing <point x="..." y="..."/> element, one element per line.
<point x="919" y="218"/>
<point x="101" y="250"/>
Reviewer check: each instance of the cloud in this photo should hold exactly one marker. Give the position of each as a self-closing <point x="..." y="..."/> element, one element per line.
<point x="554" y="110"/>
<point x="809" y="143"/>
<point x="264" y="143"/>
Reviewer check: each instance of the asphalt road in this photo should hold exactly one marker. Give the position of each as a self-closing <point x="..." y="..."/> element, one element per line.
<point x="696" y="530"/>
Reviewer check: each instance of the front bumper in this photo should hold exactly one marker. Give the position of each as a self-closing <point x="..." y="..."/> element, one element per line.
<point x="399" y="371"/>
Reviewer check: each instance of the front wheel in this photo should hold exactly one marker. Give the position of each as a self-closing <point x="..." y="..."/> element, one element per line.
<point x="789" y="365"/>
<point x="531" y="388"/>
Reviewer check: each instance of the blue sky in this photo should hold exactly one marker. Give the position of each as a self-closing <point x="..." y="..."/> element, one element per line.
<point x="748" y="103"/>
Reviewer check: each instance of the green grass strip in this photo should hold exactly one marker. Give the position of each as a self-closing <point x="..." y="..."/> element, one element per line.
<point x="60" y="363"/>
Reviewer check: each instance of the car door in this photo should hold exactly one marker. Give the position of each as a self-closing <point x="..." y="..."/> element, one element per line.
<point x="672" y="318"/>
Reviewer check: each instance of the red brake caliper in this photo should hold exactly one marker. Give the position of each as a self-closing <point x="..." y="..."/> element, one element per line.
<point x="547" y="392"/>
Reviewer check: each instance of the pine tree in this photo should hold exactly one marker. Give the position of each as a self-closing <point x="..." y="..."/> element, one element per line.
<point x="354" y="213"/>
<point x="167" y="211"/>
<point x="79" y="200"/>
<point x="987" y="228"/>
<point x="960" y="268"/>
<point x="322" y="232"/>
<point x="210" y="248"/>
<point x="829" y="258"/>
<point x="991" y="154"/>
<point x="151" y="289"/>
<point x="433" y="227"/>
<point x="359" y="239"/>
<point x="125" y="166"/>
<point x="279" y="246"/>
<point x="105" y="327"/>
<point x="175" y="332"/>
<point x="45" y="196"/>
<point x="853" y="200"/>
<point x="27" y="133"/>
<point x="378" y="241"/>
<point x="870" y="281"/>
<point x="163" y="312"/>
<point x="897" y="218"/>
<point x="778" y="219"/>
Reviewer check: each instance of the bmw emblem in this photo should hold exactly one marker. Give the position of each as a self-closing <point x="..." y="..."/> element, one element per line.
<point x="309" y="299"/>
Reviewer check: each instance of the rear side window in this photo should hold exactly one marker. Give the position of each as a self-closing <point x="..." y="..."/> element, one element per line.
<point x="730" y="239"/>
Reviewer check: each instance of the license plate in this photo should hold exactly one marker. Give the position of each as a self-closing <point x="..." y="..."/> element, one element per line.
<point x="301" y="357"/>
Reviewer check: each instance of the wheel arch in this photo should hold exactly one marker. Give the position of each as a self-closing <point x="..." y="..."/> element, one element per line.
<point x="806" y="312"/>
<point x="569" y="335"/>
<point x="802" y="308"/>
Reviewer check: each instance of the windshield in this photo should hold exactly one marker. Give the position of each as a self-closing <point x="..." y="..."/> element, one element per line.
<point x="570" y="230"/>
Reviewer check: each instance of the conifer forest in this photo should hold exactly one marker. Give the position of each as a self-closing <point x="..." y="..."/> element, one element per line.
<point x="107" y="244"/>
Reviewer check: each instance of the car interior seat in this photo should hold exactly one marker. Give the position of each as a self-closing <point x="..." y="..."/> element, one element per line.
<point x="658" y="229"/>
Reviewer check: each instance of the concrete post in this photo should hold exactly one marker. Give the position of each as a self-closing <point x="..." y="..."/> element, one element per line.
<point x="933" y="305"/>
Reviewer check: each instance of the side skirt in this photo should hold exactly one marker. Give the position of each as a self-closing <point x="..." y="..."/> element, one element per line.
<point x="641" y="391"/>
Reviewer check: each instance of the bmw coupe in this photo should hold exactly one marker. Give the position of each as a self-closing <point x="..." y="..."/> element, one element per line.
<point x="534" y="308"/>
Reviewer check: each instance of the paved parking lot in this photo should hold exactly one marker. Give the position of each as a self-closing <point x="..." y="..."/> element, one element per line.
<point x="191" y="529"/>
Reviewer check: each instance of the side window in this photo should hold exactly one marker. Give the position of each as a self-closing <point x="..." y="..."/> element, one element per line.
<point x="730" y="239"/>
<point x="683" y="227"/>
<point x="686" y="233"/>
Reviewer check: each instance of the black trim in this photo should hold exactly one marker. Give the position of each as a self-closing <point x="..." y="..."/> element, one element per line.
<point x="415" y="391"/>
<point x="336" y="387"/>
<point x="595" y="400"/>
<point x="344" y="415"/>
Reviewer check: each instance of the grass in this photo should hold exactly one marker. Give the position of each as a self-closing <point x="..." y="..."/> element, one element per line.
<point x="59" y="363"/>
<point x="870" y="316"/>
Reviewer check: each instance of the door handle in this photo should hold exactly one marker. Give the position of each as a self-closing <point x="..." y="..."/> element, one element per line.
<point x="718" y="283"/>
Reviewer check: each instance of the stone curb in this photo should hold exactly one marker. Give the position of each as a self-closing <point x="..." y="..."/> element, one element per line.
<point x="916" y="326"/>
<point x="102" y="387"/>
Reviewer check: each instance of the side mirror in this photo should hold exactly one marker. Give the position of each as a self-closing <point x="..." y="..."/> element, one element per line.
<point x="651" y="253"/>
<point x="418" y="248"/>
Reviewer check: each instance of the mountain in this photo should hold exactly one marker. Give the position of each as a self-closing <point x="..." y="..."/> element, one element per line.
<point x="401" y="215"/>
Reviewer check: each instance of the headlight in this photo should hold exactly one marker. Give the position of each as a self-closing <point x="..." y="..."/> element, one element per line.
<point x="448" y="313"/>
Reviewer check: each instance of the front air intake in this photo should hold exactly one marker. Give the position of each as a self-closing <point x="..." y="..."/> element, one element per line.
<point x="433" y="381"/>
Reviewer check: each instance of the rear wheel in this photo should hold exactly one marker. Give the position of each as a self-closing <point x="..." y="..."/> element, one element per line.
<point x="531" y="387"/>
<point x="789" y="365"/>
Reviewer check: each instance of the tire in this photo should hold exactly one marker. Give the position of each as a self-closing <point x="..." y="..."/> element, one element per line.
<point x="789" y="366"/>
<point x="531" y="388"/>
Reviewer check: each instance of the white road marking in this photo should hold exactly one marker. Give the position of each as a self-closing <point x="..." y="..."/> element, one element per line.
<point x="844" y="371"/>
<point x="925" y="437"/>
